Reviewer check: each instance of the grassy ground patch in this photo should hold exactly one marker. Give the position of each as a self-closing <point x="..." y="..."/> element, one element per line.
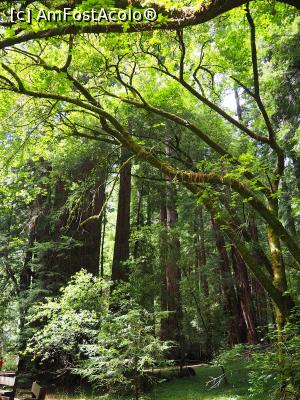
<point x="200" y="387"/>
<point x="193" y="388"/>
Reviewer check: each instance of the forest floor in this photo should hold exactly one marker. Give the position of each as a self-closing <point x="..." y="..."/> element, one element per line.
<point x="198" y="387"/>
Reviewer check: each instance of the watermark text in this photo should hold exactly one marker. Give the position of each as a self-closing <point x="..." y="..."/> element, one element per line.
<point x="94" y="15"/>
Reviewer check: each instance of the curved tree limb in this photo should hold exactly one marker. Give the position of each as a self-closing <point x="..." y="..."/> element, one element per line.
<point x="178" y="19"/>
<point x="185" y="177"/>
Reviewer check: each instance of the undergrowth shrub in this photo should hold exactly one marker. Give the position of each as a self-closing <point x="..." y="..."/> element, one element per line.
<point x="275" y="371"/>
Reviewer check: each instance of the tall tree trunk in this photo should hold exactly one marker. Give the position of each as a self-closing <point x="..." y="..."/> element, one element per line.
<point x="170" y="251"/>
<point x="163" y="264"/>
<point x="144" y="256"/>
<point x="139" y="218"/>
<point x="296" y="164"/>
<point x="261" y="301"/>
<point x="244" y="295"/>
<point x="237" y="328"/>
<point x="172" y="269"/>
<point x="241" y="274"/>
<point x="103" y="232"/>
<point x="201" y="258"/>
<point x="121" y="249"/>
<point x="282" y="310"/>
<point x="149" y="211"/>
<point x="91" y="233"/>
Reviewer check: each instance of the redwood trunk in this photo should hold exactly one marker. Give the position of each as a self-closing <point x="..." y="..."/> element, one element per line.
<point x="173" y="275"/>
<point x="170" y="247"/>
<point x="261" y="301"/>
<point x="139" y="219"/>
<point x="244" y="295"/>
<point x="237" y="329"/>
<point x="121" y="249"/>
<point x="201" y="258"/>
<point x="163" y="265"/>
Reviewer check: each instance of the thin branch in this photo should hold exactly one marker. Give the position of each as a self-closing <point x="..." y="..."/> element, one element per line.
<point x="193" y="128"/>
<point x="179" y="34"/>
<point x="272" y="135"/>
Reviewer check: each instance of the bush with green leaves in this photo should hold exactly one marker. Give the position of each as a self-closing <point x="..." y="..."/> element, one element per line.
<point x="61" y="324"/>
<point x="230" y="355"/>
<point x="275" y="371"/>
<point x="125" y="352"/>
<point x="114" y="347"/>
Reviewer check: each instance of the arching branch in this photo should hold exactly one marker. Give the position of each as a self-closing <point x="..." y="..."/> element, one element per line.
<point x="178" y="19"/>
<point x="185" y="177"/>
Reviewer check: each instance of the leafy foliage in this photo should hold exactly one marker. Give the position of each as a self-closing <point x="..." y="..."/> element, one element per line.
<point x="275" y="372"/>
<point x="124" y="352"/>
<point x="67" y="321"/>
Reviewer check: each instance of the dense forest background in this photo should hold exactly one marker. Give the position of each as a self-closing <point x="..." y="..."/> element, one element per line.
<point x="150" y="191"/>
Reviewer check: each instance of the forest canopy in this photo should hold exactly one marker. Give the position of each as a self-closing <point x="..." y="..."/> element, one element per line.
<point x="156" y="163"/>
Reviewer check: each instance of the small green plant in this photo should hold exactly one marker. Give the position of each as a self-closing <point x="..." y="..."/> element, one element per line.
<point x="225" y="357"/>
<point x="125" y="351"/>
